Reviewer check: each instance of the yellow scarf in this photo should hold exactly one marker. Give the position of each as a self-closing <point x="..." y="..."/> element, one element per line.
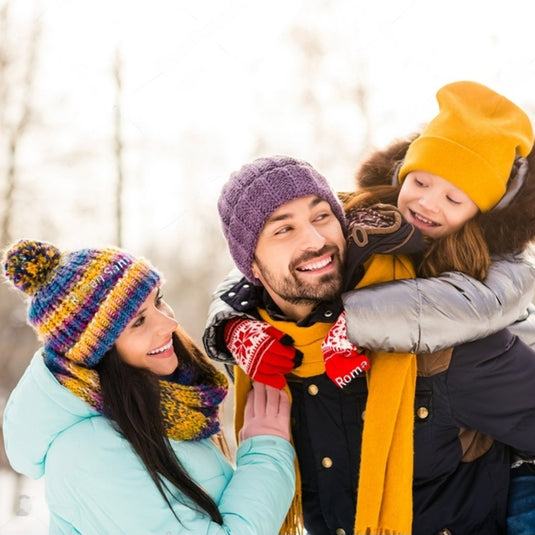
<point x="384" y="503"/>
<point x="384" y="500"/>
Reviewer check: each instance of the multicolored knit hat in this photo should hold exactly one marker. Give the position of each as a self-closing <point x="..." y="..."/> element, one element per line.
<point x="472" y="142"/>
<point x="80" y="301"/>
<point x="254" y="192"/>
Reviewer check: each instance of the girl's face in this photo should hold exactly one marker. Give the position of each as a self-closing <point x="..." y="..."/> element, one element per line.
<point x="146" y="341"/>
<point x="434" y="205"/>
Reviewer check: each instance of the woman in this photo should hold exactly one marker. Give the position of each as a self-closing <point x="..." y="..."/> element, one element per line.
<point x="119" y="408"/>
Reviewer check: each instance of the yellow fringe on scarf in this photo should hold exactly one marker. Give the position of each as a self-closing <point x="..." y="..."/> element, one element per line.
<point x="384" y="504"/>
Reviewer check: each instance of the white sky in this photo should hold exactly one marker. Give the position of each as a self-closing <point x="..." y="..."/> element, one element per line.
<point x="200" y="59"/>
<point x="227" y="68"/>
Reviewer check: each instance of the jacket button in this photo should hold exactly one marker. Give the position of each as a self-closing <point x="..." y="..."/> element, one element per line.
<point x="244" y="303"/>
<point x="444" y="531"/>
<point x="423" y="413"/>
<point x="232" y="294"/>
<point x="340" y="531"/>
<point x="326" y="462"/>
<point x="245" y="286"/>
<point x="313" y="389"/>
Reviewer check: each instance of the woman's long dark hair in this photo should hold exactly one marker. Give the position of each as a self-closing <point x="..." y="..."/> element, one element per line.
<point x="131" y="399"/>
<point x="465" y="250"/>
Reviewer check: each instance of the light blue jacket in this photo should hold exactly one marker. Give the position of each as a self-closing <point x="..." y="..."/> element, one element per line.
<point x="96" y="485"/>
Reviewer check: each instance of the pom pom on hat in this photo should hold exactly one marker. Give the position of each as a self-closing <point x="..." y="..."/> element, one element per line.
<point x="80" y="301"/>
<point x="254" y="192"/>
<point x="28" y="264"/>
<point x="472" y="142"/>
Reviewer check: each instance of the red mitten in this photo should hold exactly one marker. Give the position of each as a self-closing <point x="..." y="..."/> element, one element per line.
<point x="343" y="361"/>
<point x="264" y="353"/>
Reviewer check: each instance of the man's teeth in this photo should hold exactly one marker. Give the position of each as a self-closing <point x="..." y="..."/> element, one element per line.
<point x="316" y="265"/>
<point x="161" y="349"/>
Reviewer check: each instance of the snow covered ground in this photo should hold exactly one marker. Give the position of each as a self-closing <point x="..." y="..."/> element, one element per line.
<point x="22" y="512"/>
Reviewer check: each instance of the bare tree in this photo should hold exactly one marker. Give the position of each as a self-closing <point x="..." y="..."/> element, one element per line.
<point x="18" y="67"/>
<point x="332" y="102"/>
<point x="16" y="127"/>
<point x="119" y="144"/>
<point x="321" y="92"/>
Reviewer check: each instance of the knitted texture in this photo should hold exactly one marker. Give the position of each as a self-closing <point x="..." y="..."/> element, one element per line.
<point x="384" y="495"/>
<point x="191" y="411"/>
<point x="472" y="142"/>
<point x="263" y="352"/>
<point x="308" y="340"/>
<point x="254" y="192"/>
<point x="80" y="301"/>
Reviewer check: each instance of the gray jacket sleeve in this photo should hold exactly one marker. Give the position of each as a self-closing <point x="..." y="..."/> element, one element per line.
<point x="426" y="315"/>
<point x="218" y="313"/>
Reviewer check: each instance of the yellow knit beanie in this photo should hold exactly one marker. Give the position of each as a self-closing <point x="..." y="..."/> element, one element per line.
<point x="472" y="142"/>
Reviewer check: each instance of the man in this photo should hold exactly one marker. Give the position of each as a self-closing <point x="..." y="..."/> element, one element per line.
<point x="285" y="230"/>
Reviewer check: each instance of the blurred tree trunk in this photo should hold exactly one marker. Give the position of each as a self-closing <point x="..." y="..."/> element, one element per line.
<point x="119" y="144"/>
<point x="320" y="92"/>
<point x="18" y="67"/>
<point x="15" y="125"/>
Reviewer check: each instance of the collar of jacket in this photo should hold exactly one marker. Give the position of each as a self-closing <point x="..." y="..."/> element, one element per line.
<point x="247" y="297"/>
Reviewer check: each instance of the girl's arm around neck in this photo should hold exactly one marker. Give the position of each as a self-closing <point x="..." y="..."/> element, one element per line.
<point x="426" y="315"/>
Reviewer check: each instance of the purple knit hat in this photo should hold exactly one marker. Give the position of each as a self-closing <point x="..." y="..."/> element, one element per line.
<point x="254" y="192"/>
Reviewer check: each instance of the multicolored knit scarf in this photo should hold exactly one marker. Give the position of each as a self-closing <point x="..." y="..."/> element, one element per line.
<point x="189" y="410"/>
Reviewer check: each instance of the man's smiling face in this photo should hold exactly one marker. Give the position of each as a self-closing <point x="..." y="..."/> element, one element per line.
<point x="300" y="254"/>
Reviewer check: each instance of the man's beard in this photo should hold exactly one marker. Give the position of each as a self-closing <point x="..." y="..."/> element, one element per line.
<point x="298" y="292"/>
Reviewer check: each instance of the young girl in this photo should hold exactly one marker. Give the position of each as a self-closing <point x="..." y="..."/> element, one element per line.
<point x="467" y="184"/>
<point x="119" y="409"/>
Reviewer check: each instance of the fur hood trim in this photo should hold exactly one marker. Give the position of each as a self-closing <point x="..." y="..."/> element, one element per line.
<point x="506" y="230"/>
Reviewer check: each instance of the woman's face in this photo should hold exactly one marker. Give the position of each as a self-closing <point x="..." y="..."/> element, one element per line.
<point x="146" y="342"/>
<point x="434" y="205"/>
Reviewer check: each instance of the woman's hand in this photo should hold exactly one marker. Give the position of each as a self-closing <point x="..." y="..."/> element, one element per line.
<point x="267" y="412"/>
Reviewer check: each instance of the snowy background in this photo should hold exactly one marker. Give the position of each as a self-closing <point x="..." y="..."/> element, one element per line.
<point x="167" y="97"/>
